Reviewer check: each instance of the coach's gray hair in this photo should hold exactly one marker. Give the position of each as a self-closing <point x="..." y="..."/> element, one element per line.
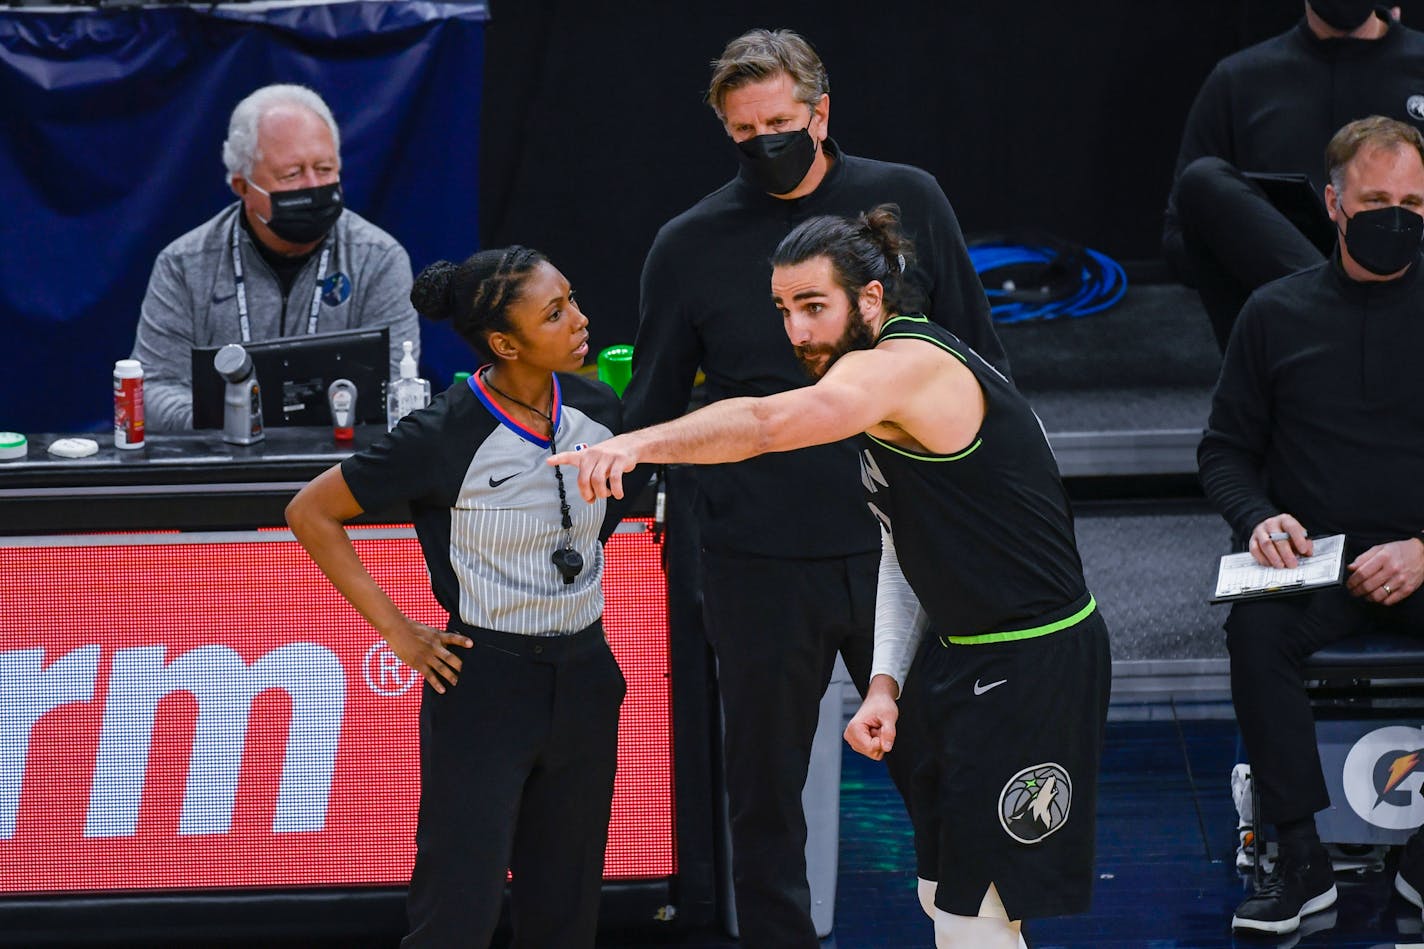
<point x="240" y="151"/>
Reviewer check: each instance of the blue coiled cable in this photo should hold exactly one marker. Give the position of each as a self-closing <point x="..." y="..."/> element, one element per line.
<point x="1101" y="281"/>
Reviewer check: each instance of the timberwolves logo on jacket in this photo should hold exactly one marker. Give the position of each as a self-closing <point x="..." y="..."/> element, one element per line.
<point x="1035" y="802"/>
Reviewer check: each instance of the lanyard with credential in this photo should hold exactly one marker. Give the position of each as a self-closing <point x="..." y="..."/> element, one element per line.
<point x="240" y="284"/>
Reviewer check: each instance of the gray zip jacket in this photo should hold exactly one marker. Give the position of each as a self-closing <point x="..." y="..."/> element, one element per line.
<point x="192" y="302"/>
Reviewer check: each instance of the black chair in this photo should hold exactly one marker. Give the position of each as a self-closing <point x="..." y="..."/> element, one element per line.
<point x="1353" y="678"/>
<point x="1365" y="659"/>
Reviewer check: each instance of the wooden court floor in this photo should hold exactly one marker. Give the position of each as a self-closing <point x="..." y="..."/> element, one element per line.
<point x="1166" y="872"/>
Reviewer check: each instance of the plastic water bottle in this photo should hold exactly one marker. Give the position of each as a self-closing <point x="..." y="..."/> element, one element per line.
<point x="409" y="392"/>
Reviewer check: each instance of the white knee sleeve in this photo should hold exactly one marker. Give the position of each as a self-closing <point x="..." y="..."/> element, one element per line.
<point x="974" y="932"/>
<point x="991" y="929"/>
<point x="926" y="891"/>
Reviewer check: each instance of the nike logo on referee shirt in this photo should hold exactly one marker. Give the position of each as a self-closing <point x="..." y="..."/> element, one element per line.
<point x="495" y="484"/>
<point x="981" y="689"/>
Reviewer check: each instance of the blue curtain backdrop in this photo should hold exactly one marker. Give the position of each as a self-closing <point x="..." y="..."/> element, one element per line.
<point x="110" y="147"/>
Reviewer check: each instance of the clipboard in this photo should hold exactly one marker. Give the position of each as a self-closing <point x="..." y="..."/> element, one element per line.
<point x="1298" y="202"/>
<point x="1240" y="577"/>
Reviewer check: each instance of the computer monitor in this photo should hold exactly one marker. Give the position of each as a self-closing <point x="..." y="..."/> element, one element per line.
<point x="1299" y="203"/>
<point x="294" y="373"/>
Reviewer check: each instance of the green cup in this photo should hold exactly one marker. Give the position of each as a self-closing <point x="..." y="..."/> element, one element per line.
<point x="615" y="366"/>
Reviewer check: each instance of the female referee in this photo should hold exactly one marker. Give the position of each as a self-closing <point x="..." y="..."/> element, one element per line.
<point x="519" y="714"/>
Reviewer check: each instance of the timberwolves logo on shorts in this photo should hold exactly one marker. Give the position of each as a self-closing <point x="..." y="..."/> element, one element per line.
<point x="1035" y="802"/>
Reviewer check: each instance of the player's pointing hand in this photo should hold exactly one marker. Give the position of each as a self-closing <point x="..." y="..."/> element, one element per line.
<point x="601" y="467"/>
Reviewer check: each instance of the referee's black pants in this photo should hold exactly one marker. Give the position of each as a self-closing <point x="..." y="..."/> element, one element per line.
<point x="516" y="772"/>
<point x="1269" y="640"/>
<point x="776" y="626"/>
<point x="1233" y="240"/>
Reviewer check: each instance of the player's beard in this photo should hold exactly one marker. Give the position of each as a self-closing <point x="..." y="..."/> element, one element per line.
<point x="855" y="336"/>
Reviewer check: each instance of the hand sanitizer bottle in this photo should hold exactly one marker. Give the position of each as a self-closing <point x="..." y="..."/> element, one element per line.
<point x="409" y="392"/>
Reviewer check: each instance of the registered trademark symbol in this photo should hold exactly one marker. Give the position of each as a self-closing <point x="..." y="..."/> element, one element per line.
<point x="385" y="674"/>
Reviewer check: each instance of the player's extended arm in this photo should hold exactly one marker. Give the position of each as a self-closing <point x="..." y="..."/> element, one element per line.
<point x="849" y="399"/>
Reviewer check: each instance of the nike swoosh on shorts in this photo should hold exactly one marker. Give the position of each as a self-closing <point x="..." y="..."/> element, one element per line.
<point x="981" y="689"/>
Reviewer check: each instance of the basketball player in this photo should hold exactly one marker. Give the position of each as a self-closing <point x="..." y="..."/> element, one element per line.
<point x="978" y="552"/>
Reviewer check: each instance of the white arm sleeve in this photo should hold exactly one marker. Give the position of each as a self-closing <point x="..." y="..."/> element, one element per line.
<point x="900" y="621"/>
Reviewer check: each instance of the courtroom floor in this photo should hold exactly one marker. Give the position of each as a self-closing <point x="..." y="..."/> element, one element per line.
<point x="1166" y="874"/>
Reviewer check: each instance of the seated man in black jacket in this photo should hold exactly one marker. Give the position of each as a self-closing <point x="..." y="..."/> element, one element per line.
<point x="1317" y="428"/>
<point x="1271" y="108"/>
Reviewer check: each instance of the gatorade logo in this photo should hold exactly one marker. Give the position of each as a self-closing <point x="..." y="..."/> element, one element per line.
<point x="1382" y="777"/>
<point x="224" y="687"/>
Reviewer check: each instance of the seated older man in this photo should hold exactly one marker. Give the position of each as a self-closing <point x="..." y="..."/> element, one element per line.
<point x="287" y="258"/>
<point x="1317" y="428"/>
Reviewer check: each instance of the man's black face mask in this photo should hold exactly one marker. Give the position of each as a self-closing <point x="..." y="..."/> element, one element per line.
<point x="1384" y="240"/>
<point x="1346" y="15"/>
<point x="304" y="215"/>
<point x="778" y="162"/>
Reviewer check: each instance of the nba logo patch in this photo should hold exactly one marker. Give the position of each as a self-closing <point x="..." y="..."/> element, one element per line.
<point x="336" y="289"/>
<point x="1035" y="802"/>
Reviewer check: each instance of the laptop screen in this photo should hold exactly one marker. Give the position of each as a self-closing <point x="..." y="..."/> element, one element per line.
<point x="294" y="372"/>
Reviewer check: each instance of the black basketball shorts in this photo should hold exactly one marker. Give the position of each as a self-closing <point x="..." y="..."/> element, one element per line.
<point x="1007" y="791"/>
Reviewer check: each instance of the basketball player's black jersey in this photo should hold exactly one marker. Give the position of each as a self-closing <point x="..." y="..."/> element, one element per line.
<point x="984" y="536"/>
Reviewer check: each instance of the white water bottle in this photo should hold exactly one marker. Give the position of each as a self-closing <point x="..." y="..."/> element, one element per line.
<point x="409" y="392"/>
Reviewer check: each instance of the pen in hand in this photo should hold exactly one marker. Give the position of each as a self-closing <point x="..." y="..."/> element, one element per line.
<point x="1281" y="548"/>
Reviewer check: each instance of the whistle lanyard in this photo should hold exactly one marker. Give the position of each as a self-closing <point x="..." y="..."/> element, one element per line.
<point x="240" y="284"/>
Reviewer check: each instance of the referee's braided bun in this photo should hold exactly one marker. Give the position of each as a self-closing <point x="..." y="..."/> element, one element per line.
<point x="475" y="295"/>
<point x="433" y="292"/>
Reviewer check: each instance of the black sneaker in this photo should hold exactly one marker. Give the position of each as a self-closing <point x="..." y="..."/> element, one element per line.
<point x="1296" y="887"/>
<point x="1409" y="881"/>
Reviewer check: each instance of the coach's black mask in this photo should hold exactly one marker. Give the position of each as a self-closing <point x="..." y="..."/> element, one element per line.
<point x="1384" y="240"/>
<point x="1347" y="15"/>
<point x="778" y="162"/>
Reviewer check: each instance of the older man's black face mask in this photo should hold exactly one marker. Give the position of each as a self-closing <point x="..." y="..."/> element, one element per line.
<point x="1384" y="240"/>
<point x="304" y="215"/>
<point x="1346" y="15"/>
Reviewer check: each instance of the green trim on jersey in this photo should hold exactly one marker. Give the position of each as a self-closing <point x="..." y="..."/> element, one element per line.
<point x="920" y="456"/>
<point x="908" y="335"/>
<point x="917" y="456"/>
<point x="1017" y="634"/>
<point x="912" y="317"/>
<point x="929" y="339"/>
